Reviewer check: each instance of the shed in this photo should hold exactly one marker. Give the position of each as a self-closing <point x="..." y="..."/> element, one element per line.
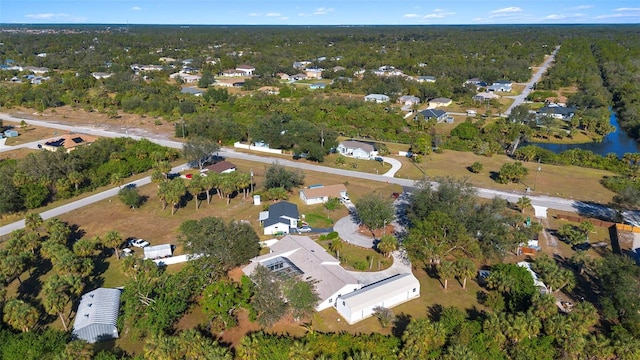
<point x="158" y="251"/>
<point x="97" y="315"/>
<point x="392" y="291"/>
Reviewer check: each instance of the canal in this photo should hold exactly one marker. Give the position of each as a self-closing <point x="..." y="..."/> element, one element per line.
<point x="617" y="142"/>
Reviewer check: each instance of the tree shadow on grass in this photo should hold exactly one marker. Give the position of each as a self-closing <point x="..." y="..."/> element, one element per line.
<point x="400" y="324"/>
<point x="31" y="287"/>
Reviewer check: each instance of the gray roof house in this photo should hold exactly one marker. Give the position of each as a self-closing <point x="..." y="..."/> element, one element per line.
<point x="500" y="85"/>
<point x="439" y="115"/>
<point x="301" y="256"/>
<point x="357" y="149"/>
<point x="378" y="98"/>
<point x="557" y="112"/>
<point x="97" y="315"/>
<point x="280" y="218"/>
<point x="409" y="100"/>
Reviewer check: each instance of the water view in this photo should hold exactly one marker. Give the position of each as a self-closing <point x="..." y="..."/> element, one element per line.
<point x="617" y="142"/>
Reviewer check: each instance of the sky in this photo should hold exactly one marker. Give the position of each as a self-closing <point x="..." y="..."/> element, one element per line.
<point x="331" y="12"/>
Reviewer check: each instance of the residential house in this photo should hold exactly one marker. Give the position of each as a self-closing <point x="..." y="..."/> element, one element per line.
<point x="187" y="78"/>
<point x="557" y="112"/>
<point x="556" y="100"/>
<point x="138" y="67"/>
<point x="221" y="167"/>
<point x="36" y="70"/>
<point x="313" y="72"/>
<point x="101" y="75"/>
<point x="387" y="293"/>
<point x="409" y="100"/>
<point x="97" y="316"/>
<point x="437" y="102"/>
<point x="485" y="96"/>
<point x="357" y="149"/>
<point x="438" y="115"/>
<point x="167" y="60"/>
<point x="427" y="79"/>
<point x="320" y="194"/>
<point x="338" y="68"/>
<point x="233" y="73"/>
<point x="301" y="256"/>
<point x="280" y="219"/>
<point x="193" y="91"/>
<point x="379" y="98"/>
<point x="501" y="86"/>
<point x="247" y="70"/>
<point x="270" y="90"/>
<point x="10" y="133"/>
<point x="536" y="282"/>
<point x="317" y="86"/>
<point x="69" y="142"/>
<point x="300" y="64"/>
<point x="298" y="77"/>
<point x="283" y="76"/>
<point x="388" y="70"/>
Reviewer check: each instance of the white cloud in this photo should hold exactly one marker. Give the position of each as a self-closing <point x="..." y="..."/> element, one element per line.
<point x="136" y="8"/>
<point x="273" y="14"/>
<point x="411" y="15"/>
<point x="621" y="13"/>
<point x="438" y="14"/>
<point x="302" y="14"/>
<point x="59" y="16"/>
<point x="322" y="11"/>
<point x="580" y="7"/>
<point x="284" y="18"/>
<point x="255" y="14"/>
<point x="555" y="17"/>
<point x="626" y="9"/>
<point x="507" y="10"/>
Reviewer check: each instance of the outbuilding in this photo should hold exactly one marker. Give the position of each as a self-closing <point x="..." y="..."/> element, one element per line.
<point x="158" y="251"/>
<point x="97" y="316"/>
<point x="387" y="293"/>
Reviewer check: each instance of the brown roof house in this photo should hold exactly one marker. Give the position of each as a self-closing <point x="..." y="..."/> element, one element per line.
<point x="300" y="256"/>
<point x="222" y="167"/>
<point x="320" y="194"/>
<point x="357" y="149"/>
<point x="69" y="142"/>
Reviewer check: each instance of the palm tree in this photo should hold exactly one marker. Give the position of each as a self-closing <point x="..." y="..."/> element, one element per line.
<point x="388" y="244"/>
<point x="581" y="260"/>
<point x="587" y="227"/>
<point x="20" y="315"/>
<point x="228" y="186"/>
<point x="543" y="306"/>
<point x="113" y="239"/>
<point x="76" y="179"/>
<point x="176" y="191"/>
<point x="164" y="167"/>
<point x="31" y="241"/>
<point x="59" y="232"/>
<point x="32" y="221"/>
<point x="157" y="177"/>
<point x="336" y="245"/>
<point x="163" y="194"/>
<point x="57" y="293"/>
<point x="446" y="270"/>
<point x="85" y="247"/>
<point x="299" y="350"/>
<point x="117" y="179"/>
<point x="244" y="183"/>
<point x="160" y="346"/>
<point x="523" y="203"/>
<point x="464" y="268"/>
<point x="196" y="186"/>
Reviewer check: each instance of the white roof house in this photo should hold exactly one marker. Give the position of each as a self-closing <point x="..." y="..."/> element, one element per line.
<point x="158" y="251"/>
<point x="97" y="315"/>
<point x="321" y="194"/>
<point x="387" y="293"/>
<point x="379" y="98"/>
<point x="301" y="256"/>
<point x="357" y="149"/>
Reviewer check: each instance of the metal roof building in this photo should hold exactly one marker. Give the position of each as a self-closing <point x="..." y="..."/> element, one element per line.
<point x="158" y="251"/>
<point x="97" y="315"/>
<point x="392" y="291"/>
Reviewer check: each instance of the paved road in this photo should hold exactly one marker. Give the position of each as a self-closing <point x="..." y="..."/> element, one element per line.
<point x="551" y="202"/>
<point x="519" y="99"/>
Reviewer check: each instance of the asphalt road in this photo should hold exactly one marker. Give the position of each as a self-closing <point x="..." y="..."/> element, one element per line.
<point x="550" y="202"/>
<point x="519" y="99"/>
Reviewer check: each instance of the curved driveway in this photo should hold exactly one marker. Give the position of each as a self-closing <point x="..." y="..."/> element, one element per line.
<point x="396" y="165"/>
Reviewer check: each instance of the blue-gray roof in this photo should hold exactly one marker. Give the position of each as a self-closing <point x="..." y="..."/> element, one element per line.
<point x="278" y="210"/>
<point x="432" y="113"/>
<point x="97" y="315"/>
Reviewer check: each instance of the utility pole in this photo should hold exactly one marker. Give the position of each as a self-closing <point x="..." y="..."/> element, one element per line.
<point x="252" y="181"/>
<point x="537" y="173"/>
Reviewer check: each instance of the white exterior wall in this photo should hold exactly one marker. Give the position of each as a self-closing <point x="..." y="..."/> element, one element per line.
<point x="313" y="201"/>
<point x="360" y="313"/>
<point x="325" y="304"/>
<point x="275" y="228"/>
<point x="360" y="154"/>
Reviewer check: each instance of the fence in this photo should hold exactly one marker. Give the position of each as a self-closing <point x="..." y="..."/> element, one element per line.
<point x="595" y="222"/>
<point x="240" y="145"/>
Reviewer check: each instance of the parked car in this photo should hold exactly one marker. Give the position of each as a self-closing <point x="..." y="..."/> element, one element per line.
<point x="379" y="159"/>
<point x="126" y="252"/>
<point x="138" y="243"/>
<point x="304" y="229"/>
<point x="345" y="199"/>
<point x="582" y="247"/>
